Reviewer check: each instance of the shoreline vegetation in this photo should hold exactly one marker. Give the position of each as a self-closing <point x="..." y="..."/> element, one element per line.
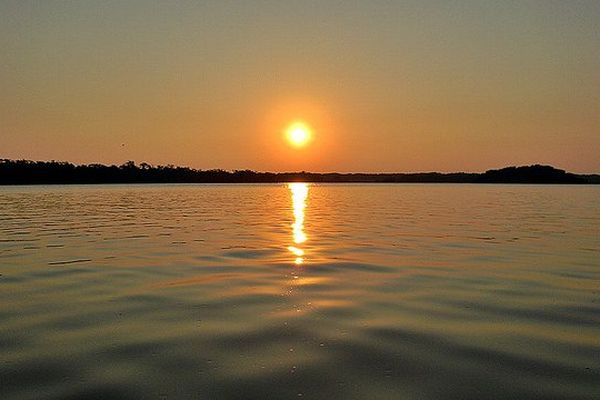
<point x="26" y="172"/>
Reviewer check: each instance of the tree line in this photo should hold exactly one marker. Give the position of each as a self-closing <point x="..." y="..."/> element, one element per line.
<point x="27" y="172"/>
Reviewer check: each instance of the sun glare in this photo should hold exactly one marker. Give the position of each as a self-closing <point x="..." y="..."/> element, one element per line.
<point x="299" y="194"/>
<point x="298" y="134"/>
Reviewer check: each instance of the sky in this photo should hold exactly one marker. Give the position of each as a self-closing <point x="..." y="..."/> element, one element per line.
<point x="385" y="86"/>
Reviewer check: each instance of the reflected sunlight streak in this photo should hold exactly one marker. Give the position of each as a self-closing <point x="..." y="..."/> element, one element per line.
<point x="299" y="195"/>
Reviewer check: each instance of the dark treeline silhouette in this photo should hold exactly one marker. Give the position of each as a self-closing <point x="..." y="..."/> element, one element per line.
<point x="532" y="174"/>
<point x="25" y="172"/>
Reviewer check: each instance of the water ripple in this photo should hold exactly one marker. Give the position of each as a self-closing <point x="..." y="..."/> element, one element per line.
<point x="402" y="291"/>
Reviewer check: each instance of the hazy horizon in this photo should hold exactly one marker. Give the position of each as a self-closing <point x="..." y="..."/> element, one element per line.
<point x="385" y="87"/>
<point x="138" y="162"/>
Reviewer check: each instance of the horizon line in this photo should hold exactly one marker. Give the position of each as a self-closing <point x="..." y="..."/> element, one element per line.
<point x="138" y="164"/>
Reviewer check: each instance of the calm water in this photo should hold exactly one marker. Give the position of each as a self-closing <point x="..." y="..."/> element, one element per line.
<point x="318" y="292"/>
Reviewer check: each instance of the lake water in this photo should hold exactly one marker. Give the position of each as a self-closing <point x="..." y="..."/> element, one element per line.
<point x="300" y="291"/>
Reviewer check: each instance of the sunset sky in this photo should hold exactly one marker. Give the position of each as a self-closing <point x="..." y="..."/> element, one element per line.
<point x="382" y="85"/>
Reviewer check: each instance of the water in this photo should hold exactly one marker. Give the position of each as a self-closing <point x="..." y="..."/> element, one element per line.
<point x="313" y="292"/>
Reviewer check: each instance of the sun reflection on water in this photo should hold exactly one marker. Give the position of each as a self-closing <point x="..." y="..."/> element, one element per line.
<point x="299" y="195"/>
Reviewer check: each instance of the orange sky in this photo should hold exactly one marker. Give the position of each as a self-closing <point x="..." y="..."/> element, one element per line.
<point x="385" y="86"/>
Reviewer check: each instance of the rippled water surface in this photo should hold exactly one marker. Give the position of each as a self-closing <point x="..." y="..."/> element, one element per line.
<point x="298" y="291"/>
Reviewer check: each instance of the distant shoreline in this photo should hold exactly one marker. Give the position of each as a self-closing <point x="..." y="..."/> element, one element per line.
<point x="26" y="172"/>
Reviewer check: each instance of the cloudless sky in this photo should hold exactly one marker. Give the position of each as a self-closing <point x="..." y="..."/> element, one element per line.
<point x="385" y="85"/>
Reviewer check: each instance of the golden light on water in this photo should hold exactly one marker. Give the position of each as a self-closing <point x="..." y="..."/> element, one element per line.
<point x="299" y="194"/>
<point x="298" y="252"/>
<point x="298" y="134"/>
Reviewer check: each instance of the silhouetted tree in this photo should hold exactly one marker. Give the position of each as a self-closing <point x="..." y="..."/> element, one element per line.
<point x="54" y="172"/>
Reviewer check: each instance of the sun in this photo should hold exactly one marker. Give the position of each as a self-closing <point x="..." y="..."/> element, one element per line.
<point x="298" y="134"/>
